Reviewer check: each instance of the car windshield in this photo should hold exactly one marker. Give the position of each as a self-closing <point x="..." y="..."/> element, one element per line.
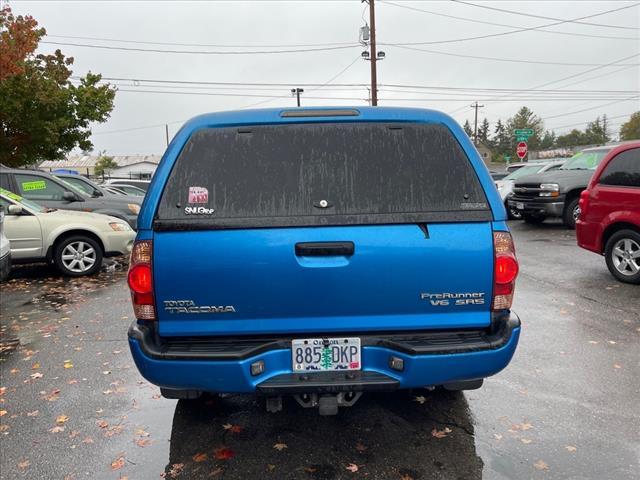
<point x="36" y="207"/>
<point x="522" y="171"/>
<point x="585" y="160"/>
<point x="78" y="185"/>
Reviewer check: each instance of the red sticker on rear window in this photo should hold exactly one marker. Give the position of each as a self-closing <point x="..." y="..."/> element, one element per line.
<point x="198" y="195"/>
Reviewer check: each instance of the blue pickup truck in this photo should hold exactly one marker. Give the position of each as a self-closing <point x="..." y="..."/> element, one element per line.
<point x="321" y="253"/>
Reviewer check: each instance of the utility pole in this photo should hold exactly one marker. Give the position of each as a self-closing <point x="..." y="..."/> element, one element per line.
<point x="475" y="123"/>
<point x="372" y="45"/>
<point x="297" y="92"/>
<point x="166" y="133"/>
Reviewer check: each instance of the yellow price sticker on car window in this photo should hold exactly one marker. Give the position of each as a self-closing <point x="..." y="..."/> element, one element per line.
<point x="35" y="185"/>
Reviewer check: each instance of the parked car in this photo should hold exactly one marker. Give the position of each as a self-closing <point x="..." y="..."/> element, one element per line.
<point x="94" y="190"/>
<point x="321" y="253"/>
<point x="51" y="192"/>
<point x="130" y="190"/>
<point x="505" y="186"/>
<point x="75" y="242"/>
<point x="119" y="182"/>
<point x="609" y="222"/>
<point x="5" y="250"/>
<point x="556" y="193"/>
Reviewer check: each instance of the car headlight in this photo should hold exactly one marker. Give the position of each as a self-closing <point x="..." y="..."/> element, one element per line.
<point x="119" y="226"/>
<point x="549" y="190"/>
<point x="134" y="208"/>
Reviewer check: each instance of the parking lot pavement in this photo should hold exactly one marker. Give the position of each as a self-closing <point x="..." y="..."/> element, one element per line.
<point x="73" y="405"/>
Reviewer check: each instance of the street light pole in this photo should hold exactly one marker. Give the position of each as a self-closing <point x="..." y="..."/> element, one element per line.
<point x="475" y="123"/>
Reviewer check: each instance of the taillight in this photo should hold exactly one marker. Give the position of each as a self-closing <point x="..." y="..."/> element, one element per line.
<point x="141" y="280"/>
<point x="505" y="270"/>
<point x="583" y="202"/>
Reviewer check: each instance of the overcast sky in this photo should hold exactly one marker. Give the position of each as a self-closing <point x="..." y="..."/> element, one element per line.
<point x="241" y="26"/>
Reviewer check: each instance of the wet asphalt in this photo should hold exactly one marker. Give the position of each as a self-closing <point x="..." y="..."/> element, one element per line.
<point x="72" y="404"/>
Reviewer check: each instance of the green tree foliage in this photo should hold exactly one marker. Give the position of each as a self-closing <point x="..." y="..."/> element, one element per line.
<point x="573" y="138"/>
<point x="467" y="129"/>
<point x="548" y="141"/>
<point x="630" y="130"/>
<point x="483" y="132"/>
<point x="525" y="118"/>
<point x="596" y="132"/>
<point x="104" y="164"/>
<point x="42" y="114"/>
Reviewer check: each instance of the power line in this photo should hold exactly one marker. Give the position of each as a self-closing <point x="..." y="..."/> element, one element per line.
<point x="592" y="108"/>
<point x="203" y="52"/>
<point x="541" y="30"/>
<point x="583" y="123"/>
<point x="531" y="15"/>
<point x="497" y="59"/>
<point x="519" y="30"/>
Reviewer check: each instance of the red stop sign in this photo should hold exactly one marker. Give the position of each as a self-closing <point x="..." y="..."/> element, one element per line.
<point x="521" y="150"/>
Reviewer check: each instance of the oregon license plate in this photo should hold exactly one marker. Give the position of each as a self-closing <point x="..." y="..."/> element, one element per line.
<point x="325" y="354"/>
<point x="520" y="206"/>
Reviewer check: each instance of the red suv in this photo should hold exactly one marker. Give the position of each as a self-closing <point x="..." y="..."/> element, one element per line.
<point x="609" y="221"/>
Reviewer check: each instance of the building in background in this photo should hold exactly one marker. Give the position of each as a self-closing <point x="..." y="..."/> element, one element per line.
<point x="129" y="166"/>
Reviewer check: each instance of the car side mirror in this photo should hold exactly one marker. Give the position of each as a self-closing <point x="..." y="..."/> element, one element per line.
<point x="97" y="193"/>
<point x="70" y="197"/>
<point x="15" y="210"/>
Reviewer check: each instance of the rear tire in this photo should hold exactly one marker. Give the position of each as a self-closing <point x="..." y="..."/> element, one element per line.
<point x="534" y="219"/>
<point x="78" y="255"/>
<point x="571" y="214"/>
<point x="622" y="254"/>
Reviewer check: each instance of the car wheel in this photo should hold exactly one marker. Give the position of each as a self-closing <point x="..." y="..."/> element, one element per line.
<point x="571" y="213"/>
<point x="513" y="213"/>
<point x="622" y="254"/>
<point x="534" y="219"/>
<point x="78" y="255"/>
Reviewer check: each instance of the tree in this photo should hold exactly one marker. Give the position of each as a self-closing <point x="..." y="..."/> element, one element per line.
<point x="483" y="132"/>
<point x="18" y="39"/>
<point x="548" y="140"/>
<point x="104" y="164"/>
<point x="500" y="142"/>
<point x="43" y="115"/>
<point x="596" y="132"/>
<point x="571" y="139"/>
<point x="467" y="129"/>
<point x="630" y="130"/>
<point x="525" y="118"/>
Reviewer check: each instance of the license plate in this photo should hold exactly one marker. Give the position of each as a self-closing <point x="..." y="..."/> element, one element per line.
<point x="328" y="354"/>
<point x="520" y="206"/>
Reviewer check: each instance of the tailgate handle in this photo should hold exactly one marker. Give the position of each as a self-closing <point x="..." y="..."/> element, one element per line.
<point x="319" y="249"/>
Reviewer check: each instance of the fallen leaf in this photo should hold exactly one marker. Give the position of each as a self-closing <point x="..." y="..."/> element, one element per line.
<point x="3" y="413"/>
<point x="13" y="371"/>
<point x="74" y="433"/>
<point x="232" y="428"/>
<point x="35" y="366"/>
<point x="199" y="457"/>
<point x="271" y="467"/>
<point x="360" y="447"/>
<point x="102" y="423"/>
<point x="280" y="446"/>
<point x="540" y="465"/>
<point x="615" y="365"/>
<point x="420" y="399"/>
<point x="352" y="467"/>
<point x="526" y="441"/>
<point x="24" y="464"/>
<point x="68" y="364"/>
<point x="440" y="433"/>
<point x="611" y="342"/>
<point x="526" y="426"/>
<point x="36" y="375"/>
<point x="593" y="342"/>
<point x="57" y="429"/>
<point x="223" y="453"/>
<point x="571" y="448"/>
<point x="72" y="381"/>
<point x="141" y="433"/>
<point x="310" y="469"/>
<point x="61" y="419"/>
<point x="175" y="469"/>
<point x="87" y="440"/>
<point x="117" y="464"/>
<point x="35" y="413"/>
<point x="2" y="390"/>
<point x="497" y="436"/>
<point x="406" y="476"/>
<point x="143" y="442"/>
<point x="106" y="372"/>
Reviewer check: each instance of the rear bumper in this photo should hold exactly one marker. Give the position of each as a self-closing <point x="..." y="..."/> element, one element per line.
<point x="589" y="236"/>
<point x="539" y="206"/>
<point x="224" y="365"/>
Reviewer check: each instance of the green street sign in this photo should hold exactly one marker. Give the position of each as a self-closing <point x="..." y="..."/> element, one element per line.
<point x="507" y="158"/>
<point x="523" y="131"/>
<point x="522" y="138"/>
